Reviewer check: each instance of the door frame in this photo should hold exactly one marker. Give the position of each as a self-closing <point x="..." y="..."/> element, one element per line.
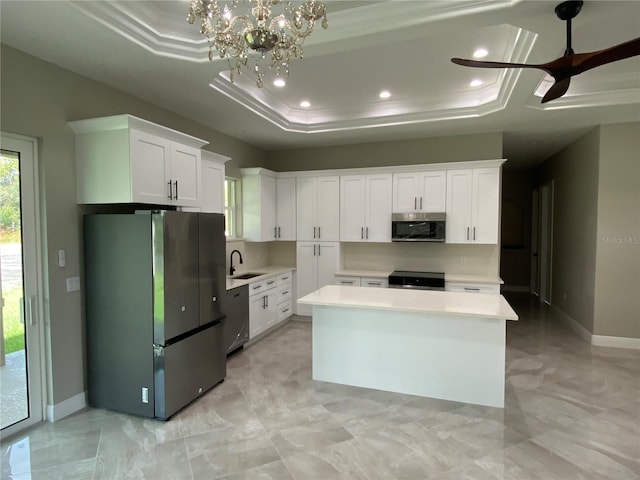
<point x="33" y="265"/>
<point x="545" y="257"/>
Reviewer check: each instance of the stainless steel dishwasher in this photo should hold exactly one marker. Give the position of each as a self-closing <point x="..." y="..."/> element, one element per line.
<point x="236" y="326"/>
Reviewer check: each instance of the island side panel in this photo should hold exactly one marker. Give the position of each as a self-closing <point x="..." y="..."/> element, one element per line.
<point x="432" y="355"/>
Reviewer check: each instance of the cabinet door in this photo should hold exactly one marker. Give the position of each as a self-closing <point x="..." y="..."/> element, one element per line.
<point x="286" y="208"/>
<point x="459" y="183"/>
<point x="185" y="175"/>
<point x="328" y="263"/>
<point x="328" y="208"/>
<point x="352" y="208"/>
<point x="257" y="306"/>
<point x="378" y="212"/>
<point x="212" y="197"/>
<point x="267" y="208"/>
<point x="306" y="208"/>
<point x="306" y="273"/>
<point x="485" y="205"/>
<point x="271" y="311"/>
<point x="405" y="192"/>
<point x="150" y="169"/>
<point x="433" y="192"/>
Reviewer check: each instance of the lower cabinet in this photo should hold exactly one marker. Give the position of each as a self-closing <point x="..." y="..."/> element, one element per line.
<point x="472" y="287"/>
<point x="316" y="265"/>
<point x="262" y="306"/>
<point x="270" y="302"/>
<point x="362" y="281"/>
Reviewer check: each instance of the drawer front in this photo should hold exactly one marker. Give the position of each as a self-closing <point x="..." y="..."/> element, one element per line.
<point x="270" y="283"/>
<point x="284" y="293"/>
<point x="348" y="281"/>
<point x="285" y="279"/>
<point x="473" y="287"/>
<point x="284" y="310"/>
<point x="374" y="282"/>
<point x="256" y="288"/>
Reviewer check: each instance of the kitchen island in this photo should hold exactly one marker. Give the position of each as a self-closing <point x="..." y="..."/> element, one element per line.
<point x="448" y="345"/>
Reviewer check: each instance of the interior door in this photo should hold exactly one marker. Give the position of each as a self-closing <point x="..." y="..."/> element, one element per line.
<point x="21" y="314"/>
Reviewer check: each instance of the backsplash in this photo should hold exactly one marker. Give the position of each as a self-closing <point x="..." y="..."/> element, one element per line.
<point x="418" y="256"/>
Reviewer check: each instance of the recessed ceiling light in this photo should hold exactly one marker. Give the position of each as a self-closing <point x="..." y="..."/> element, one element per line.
<point x="385" y="94"/>
<point x="476" y="82"/>
<point x="305" y="104"/>
<point x="279" y="82"/>
<point x="480" y="53"/>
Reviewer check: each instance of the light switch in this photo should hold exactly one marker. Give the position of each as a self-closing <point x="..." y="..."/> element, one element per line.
<point x="62" y="258"/>
<point x="73" y="284"/>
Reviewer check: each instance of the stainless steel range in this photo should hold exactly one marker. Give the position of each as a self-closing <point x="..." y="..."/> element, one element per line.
<point x="416" y="280"/>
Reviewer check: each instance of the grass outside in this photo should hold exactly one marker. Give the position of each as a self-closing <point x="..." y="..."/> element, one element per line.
<point x="10" y="236"/>
<point x="13" y="328"/>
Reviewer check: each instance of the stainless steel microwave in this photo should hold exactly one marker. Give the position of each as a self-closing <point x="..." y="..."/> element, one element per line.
<point x="418" y="227"/>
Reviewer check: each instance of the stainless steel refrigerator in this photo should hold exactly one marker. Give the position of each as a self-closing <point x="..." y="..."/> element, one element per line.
<point x="155" y="287"/>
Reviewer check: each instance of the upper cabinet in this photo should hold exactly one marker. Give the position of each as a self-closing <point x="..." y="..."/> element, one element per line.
<point x="268" y="206"/>
<point x="212" y="175"/>
<point x="365" y="208"/>
<point x="419" y="192"/>
<point x="124" y="159"/>
<point x="473" y="205"/>
<point x="318" y="208"/>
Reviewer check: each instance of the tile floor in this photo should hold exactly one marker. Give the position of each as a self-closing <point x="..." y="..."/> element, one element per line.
<point x="572" y="412"/>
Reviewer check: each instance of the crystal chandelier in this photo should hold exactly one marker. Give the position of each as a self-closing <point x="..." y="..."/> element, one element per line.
<point x="257" y="38"/>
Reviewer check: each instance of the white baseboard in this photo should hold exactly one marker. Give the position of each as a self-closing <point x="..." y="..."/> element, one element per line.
<point x="579" y="329"/>
<point x="66" y="407"/>
<point x="616" y="342"/>
<point x="597" y="340"/>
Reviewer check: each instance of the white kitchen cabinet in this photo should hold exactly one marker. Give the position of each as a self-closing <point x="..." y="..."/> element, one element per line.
<point x="318" y="208"/>
<point x="365" y="208"/>
<point x="316" y="264"/>
<point x="263" y="306"/>
<point x="469" y="287"/>
<point x="124" y="159"/>
<point x="419" y="191"/>
<point x="361" y="281"/>
<point x="284" y="296"/>
<point x="473" y="205"/>
<point x="286" y="209"/>
<point x="213" y="175"/>
<point x="268" y="206"/>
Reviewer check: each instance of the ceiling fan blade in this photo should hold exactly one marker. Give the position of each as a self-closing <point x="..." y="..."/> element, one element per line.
<point x="587" y="61"/>
<point x="557" y="90"/>
<point x="482" y="64"/>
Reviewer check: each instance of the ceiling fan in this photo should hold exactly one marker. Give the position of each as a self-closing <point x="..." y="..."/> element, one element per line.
<point x="570" y="64"/>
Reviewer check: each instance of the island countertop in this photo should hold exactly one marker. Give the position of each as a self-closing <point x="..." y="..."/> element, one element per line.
<point x="418" y="301"/>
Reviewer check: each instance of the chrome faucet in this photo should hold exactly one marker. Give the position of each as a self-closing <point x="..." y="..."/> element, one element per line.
<point x="231" y="268"/>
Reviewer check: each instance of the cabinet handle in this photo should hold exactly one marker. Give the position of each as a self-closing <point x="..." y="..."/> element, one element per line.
<point x="314" y="232"/>
<point x="415" y="203"/>
<point x="264" y="302"/>
<point x="271" y="282"/>
<point x="285" y="292"/>
<point x="176" y="185"/>
<point x="257" y="287"/>
<point x="275" y="232"/>
<point x="346" y="282"/>
<point x="367" y="233"/>
<point x="266" y="297"/>
<point x="279" y="234"/>
<point x="314" y="249"/>
<point x="472" y="289"/>
<point x="420" y="203"/>
<point x="318" y="250"/>
<point x="319" y="232"/>
<point x="467" y="233"/>
<point x="170" y="190"/>
<point x="361" y="232"/>
<point x="474" y="233"/>
<point x="285" y="278"/>
<point x="374" y="283"/>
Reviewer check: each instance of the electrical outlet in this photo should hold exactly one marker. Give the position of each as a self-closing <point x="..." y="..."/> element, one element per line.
<point x="564" y="296"/>
<point x="145" y="395"/>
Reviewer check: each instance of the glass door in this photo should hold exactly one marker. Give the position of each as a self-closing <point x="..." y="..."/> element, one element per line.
<point x="20" y="272"/>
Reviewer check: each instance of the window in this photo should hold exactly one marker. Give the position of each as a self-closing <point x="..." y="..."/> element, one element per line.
<point x="230" y="211"/>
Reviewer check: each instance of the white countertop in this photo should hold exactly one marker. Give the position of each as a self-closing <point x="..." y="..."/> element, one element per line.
<point x="267" y="272"/>
<point x="416" y="301"/>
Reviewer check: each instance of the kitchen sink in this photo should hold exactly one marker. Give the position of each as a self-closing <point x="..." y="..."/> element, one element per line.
<point x="246" y="276"/>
